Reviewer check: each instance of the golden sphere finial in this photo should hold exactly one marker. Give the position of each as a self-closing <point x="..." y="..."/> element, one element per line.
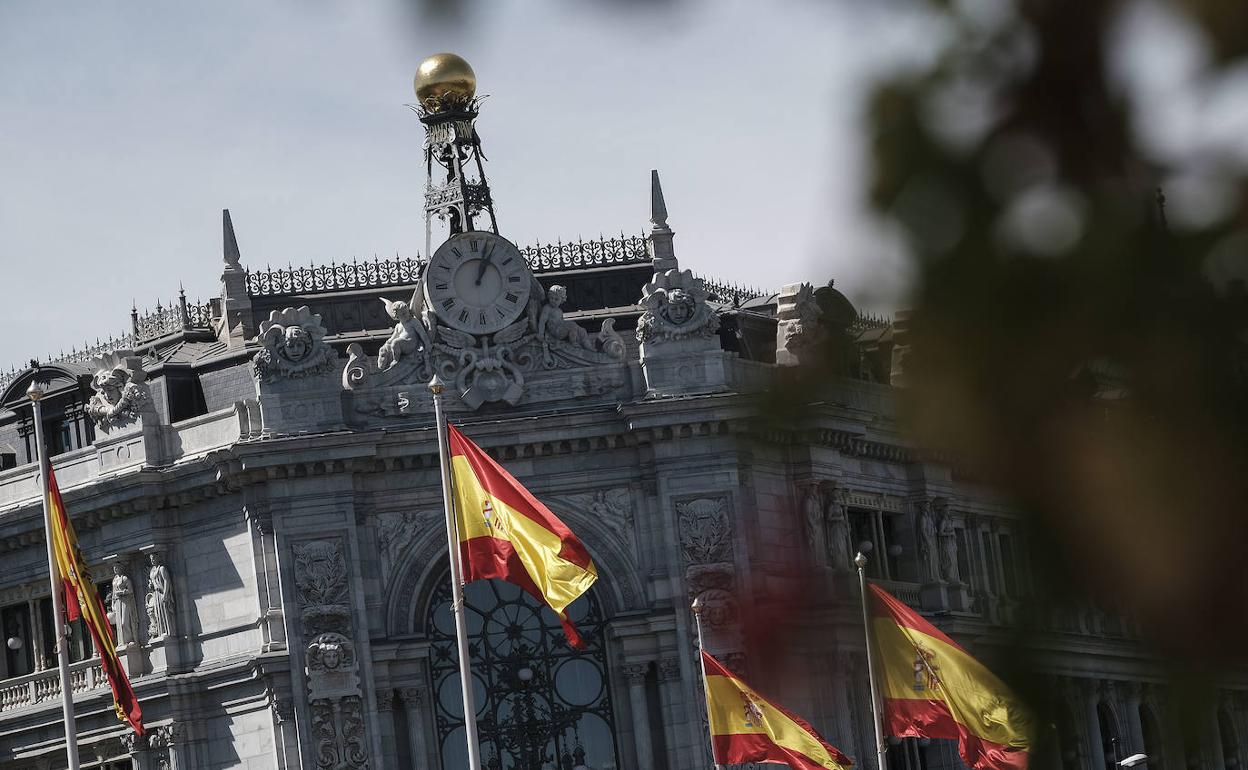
<point x="444" y="81"/>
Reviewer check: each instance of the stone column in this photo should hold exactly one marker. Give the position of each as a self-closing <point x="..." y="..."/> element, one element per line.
<point x="1090" y="693"/>
<point x="670" y="698"/>
<point x="414" y="704"/>
<point x="163" y="741"/>
<point x="635" y="675"/>
<point x="36" y="636"/>
<point x="842" y="705"/>
<point x="285" y="739"/>
<point x="1132" y="696"/>
<point x="264" y="557"/>
<point x="136" y="747"/>
<point x="385" y="718"/>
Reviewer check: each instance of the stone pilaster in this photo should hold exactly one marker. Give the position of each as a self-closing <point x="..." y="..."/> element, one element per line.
<point x="635" y="675"/>
<point x="414" y="704"/>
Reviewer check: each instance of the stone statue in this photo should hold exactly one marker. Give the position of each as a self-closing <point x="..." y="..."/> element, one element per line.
<point x="839" y="547"/>
<point x="159" y="599"/>
<point x="409" y="335"/>
<point x="799" y="330"/>
<point x="552" y="325"/>
<point x="292" y="346"/>
<point x="816" y="524"/>
<point x="121" y="391"/>
<point x="121" y="603"/>
<point x="675" y="308"/>
<point x="948" y="547"/>
<point x="927" y="541"/>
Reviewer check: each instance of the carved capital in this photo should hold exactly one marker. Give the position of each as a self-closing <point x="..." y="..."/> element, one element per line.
<point x="412" y="696"/>
<point x="133" y="742"/>
<point x="164" y="736"/>
<point x="283" y="709"/>
<point x="669" y="669"/>
<point x="385" y="699"/>
<point x="635" y="673"/>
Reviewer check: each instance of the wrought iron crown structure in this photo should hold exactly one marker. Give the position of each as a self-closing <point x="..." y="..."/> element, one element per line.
<point x="453" y="151"/>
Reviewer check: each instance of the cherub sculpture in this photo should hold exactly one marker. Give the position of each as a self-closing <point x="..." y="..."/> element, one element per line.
<point x="675" y="308"/>
<point x="409" y="335"/>
<point x="552" y="325"/>
<point x="292" y="345"/>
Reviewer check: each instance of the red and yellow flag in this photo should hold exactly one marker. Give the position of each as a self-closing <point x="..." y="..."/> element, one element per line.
<point x="932" y="688"/>
<point x="504" y="532"/>
<point x="82" y="600"/>
<point x="746" y="727"/>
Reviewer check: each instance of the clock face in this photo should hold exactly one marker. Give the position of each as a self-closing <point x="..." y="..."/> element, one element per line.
<point x="477" y="282"/>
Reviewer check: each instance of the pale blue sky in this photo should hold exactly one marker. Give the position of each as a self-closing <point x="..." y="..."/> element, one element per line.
<point x="125" y="128"/>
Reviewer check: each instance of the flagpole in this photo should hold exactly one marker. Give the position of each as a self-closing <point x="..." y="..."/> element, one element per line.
<point x="35" y="393"/>
<point x="436" y="386"/>
<point x="860" y="561"/>
<point x="697" y="621"/>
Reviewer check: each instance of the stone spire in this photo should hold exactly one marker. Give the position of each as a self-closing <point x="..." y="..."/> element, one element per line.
<point x="236" y="324"/>
<point x="661" y="250"/>
<point x="229" y="242"/>
<point x="658" y="206"/>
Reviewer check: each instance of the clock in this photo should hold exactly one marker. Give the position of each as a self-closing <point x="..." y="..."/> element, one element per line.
<point x="477" y="282"/>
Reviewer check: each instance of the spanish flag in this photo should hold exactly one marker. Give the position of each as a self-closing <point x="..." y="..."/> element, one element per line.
<point x="504" y="532"/>
<point x="746" y="727"/>
<point x="932" y="688"/>
<point x="82" y="600"/>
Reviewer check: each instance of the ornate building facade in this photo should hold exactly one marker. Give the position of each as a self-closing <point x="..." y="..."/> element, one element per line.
<point x="255" y="482"/>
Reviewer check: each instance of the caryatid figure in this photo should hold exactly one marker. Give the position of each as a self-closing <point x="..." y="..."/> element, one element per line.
<point x="121" y="603"/>
<point x="159" y="598"/>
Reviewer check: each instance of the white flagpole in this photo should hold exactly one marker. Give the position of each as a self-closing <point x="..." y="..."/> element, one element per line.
<point x="436" y="386"/>
<point x="697" y="621"/>
<point x="860" y="561"/>
<point x="35" y="392"/>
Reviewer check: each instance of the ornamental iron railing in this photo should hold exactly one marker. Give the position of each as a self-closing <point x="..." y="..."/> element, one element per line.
<point x="730" y="293"/>
<point x="169" y="319"/>
<point x="313" y="279"/>
<point x="603" y="252"/>
<point x="145" y="326"/>
<point x="380" y="273"/>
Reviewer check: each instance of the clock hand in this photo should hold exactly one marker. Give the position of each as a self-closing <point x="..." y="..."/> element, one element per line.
<point x="485" y="261"/>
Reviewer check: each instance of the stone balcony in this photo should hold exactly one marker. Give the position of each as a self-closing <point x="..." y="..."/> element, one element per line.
<point x="44" y="686"/>
<point x="148" y="446"/>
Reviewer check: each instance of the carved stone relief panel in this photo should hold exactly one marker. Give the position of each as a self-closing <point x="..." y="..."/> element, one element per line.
<point x="705" y="529"/>
<point x="331" y="665"/>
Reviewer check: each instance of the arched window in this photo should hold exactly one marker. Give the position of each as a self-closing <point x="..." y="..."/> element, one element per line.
<point x="1109" y="731"/>
<point x="541" y="705"/>
<point x="1154" y="745"/>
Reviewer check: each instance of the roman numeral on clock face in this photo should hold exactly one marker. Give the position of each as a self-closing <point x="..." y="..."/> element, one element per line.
<point x="463" y="316"/>
<point x="458" y="254"/>
<point x="513" y="279"/>
<point x="448" y="303"/>
<point x="441" y="285"/>
<point x="481" y="318"/>
<point x="512" y="298"/>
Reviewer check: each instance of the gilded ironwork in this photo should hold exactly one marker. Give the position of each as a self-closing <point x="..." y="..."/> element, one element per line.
<point x="444" y="81"/>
